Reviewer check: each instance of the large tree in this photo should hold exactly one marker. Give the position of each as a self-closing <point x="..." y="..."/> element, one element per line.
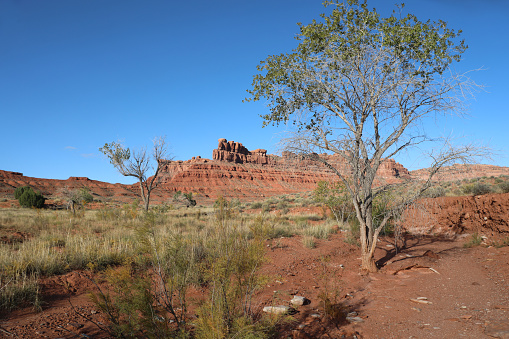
<point x="138" y="164"/>
<point x="360" y="86"/>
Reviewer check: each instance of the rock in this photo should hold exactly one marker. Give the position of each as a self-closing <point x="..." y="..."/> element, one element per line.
<point x="281" y="309"/>
<point x="498" y="330"/>
<point x="354" y="319"/>
<point x="421" y="301"/>
<point x="299" y="301"/>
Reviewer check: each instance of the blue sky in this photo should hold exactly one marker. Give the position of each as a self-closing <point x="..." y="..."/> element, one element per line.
<point x="77" y="74"/>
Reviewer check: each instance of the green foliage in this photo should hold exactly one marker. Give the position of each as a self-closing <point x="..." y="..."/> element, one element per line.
<point x="475" y="240"/>
<point x="231" y="269"/>
<point x="19" y="291"/>
<point x="184" y="198"/>
<point x="434" y="192"/>
<point x="86" y="196"/>
<point x="29" y="198"/>
<point x="335" y="196"/>
<point x="424" y="48"/>
<point x="20" y="190"/>
<point x="504" y="187"/>
<point x="476" y="188"/>
<point x="132" y="310"/>
<point x="256" y="205"/>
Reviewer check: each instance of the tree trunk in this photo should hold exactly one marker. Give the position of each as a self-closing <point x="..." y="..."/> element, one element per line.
<point x="146" y="203"/>
<point x="368" y="262"/>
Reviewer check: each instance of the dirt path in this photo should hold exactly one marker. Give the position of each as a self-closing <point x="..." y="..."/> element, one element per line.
<point x="467" y="291"/>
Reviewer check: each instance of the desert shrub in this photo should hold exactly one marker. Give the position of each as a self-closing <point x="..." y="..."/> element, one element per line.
<point x="231" y="269"/>
<point x="86" y="196"/>
<point x="322" y="231"/>
<point x="256" y="205"/>
<point x="434" y="192"/>
<point x="282" y="205"/>
<point x="308" y="241"/>
<point x="184" y="198"/>
<point x="475" y="240"/>
<point x="504" y="187"/>
<point x="498" y="180"/>
<point x="132" y="311"/>
<point x="29" y="198"/>
<point x="353" y="234"/>
<point x="266" y="207"/>
<point x="476" y="189"/>
<point x="336" y="198"/>
<point x="19" y="291"/>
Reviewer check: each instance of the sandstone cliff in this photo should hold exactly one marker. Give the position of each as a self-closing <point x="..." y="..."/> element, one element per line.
<point x="234" y="171"/>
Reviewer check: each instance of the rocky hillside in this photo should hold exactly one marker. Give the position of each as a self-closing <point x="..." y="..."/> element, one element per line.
<point x="233" y="171"/>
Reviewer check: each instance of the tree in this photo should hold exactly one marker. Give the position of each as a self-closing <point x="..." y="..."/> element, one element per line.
<point x="335" y="196"/>
<point x="360" y="86"/>
<point x="27" y="197"/>
<point x="75" y="198"/>
<point x="138" y="164"/>
<point x="184" y="198"/>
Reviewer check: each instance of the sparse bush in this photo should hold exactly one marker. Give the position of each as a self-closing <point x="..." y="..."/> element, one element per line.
<point x="476" y="189"/>
<point x="231" y="269"/>
<point x="281" y="205"/>
<point x="256" y="205"/>
<point x="308" y="241"/>
<point x="322" y="231"/>
<point x="475" y="240"/>
<point x="19" y="291"/>
<point x="434" y="192"/>
<point x="504" y="187"/>
<point x="266" y="207"/>
<point x="184" y="198"/>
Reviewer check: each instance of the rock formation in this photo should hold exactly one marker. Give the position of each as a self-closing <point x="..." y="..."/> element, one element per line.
<point x="235" y="152"/>
<point x="234" y="172"/>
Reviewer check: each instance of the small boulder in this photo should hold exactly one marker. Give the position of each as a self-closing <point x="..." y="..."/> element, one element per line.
<point x="299" y="301"/>
<point x="281" y="309"/>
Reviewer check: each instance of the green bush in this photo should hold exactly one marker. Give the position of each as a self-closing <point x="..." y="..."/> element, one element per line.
<point x="86" y="196"/>
<point x="480" y="189"/>
<point x="20" y="190"/>
<point x="476" y="189"/>
<point x="29" y="198"/>
<point x="256" y="205"/>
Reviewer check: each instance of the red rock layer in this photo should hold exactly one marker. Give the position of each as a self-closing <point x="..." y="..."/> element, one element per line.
<point x="487" y="214"/>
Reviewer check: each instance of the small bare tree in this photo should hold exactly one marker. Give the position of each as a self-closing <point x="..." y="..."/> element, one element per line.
<point x="138" y="164"/>
<point x="75" y="198"/>
<point x="360" y="86"/>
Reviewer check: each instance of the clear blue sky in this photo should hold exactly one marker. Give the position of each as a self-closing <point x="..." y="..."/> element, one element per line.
<point x="76" y="74"/>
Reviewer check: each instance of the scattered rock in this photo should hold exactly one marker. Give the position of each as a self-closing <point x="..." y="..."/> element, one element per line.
<point x="281" y="309"/>
<point x="299" y="301"/>
<point x="421" y="301"/>
<point x="354" y="319"/>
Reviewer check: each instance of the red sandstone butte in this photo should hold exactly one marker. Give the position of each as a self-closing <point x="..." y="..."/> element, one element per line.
<point x="233" y="172"/>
